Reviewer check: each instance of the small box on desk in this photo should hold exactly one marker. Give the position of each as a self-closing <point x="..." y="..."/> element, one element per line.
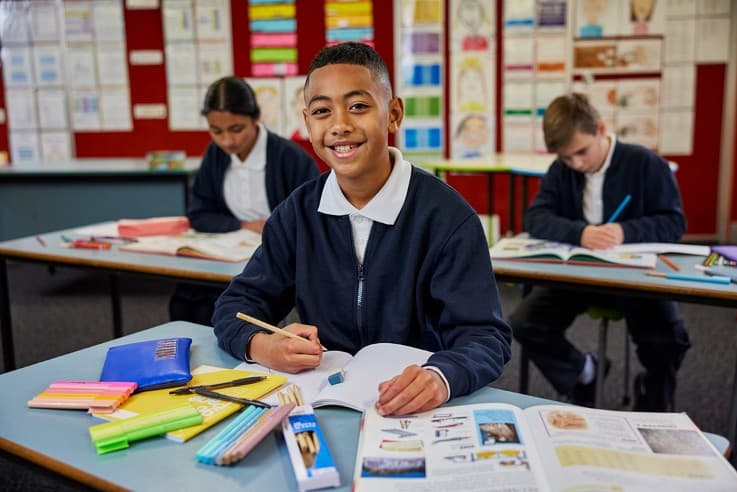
<point x="301" y="431"/>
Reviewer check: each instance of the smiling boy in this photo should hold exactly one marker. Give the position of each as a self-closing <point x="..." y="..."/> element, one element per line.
<point x="373" y="251"/>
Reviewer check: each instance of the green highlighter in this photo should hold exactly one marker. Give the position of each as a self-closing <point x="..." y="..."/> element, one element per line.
<point x="113" y="436"/>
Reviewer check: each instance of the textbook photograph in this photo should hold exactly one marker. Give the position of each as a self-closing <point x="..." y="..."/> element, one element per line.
<point x="357" y="388"/>
<point x="497" y="446"/>
<point x="232" y="247"/>
<point x="554" y="252"/>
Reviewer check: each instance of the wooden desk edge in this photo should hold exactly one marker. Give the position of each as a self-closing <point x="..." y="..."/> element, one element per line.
<point x="504" y="273"/>
<point x="108" y="264"/>
<point x="57" y="466"/>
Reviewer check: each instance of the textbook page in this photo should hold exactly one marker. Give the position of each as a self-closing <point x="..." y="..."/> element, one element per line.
<point x="550" y="251"/>
<point x="363" y="372"/>
<point x="589" y="449"/>
<point x="483" y="447"/>
<point x="231" y="247"/>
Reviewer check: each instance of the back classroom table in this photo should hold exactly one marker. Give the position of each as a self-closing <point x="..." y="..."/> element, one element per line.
<point x="47" y="196"/>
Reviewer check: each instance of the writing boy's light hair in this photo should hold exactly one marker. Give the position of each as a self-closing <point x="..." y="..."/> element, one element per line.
<point x="566" y="115"/>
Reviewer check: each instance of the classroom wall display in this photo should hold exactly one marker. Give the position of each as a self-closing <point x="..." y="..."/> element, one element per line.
<point x="692" y="73"/>
<point x="472" y="77"/>
<point x="349" y="20"/>
<point x="198" y="48"/>
<point x="535" y="69"/>
<point x="64" y="70"/>
<point x="419" y="42"/>
<point x="273" y="27"/>
<point x="270" y="97"/>
<point x="293" y="104"/>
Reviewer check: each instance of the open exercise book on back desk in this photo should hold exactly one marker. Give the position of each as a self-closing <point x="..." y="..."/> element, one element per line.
<point x="496" y="446"/>
<point x="362" y="374"/>
<point x="552" y="252"/>
<point x="234" y="247"/>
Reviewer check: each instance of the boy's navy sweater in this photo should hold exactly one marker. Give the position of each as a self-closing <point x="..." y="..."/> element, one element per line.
<point x="287" y="167"/>
<point x="654" y="214"/>
<point x="428" y="282"/>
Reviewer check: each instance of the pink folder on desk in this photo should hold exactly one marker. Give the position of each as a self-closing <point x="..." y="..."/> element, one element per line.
<point x="157" y="226"/>
<point x="729" y="252"/>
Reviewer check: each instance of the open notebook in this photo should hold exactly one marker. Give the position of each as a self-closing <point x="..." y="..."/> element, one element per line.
<point x="363" y="372"/>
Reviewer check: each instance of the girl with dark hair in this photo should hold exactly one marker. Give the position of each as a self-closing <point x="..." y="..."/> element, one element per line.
<point x="245" y="173"/>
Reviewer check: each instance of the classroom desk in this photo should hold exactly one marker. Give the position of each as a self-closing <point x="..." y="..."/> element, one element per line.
<point x="58" y="439"/>
<point x="516" y="165"/>
<point x="113" y="261"/>
<point x="631" y="282"/>
<point x="525" y="165"/>
<point x="49" y="196"/>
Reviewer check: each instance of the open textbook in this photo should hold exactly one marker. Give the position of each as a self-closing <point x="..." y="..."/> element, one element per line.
<point x="362" y="374"/>
<point x="550" y="251"/>
<point x="233" y="247"/>
<point x="496" y="446"/>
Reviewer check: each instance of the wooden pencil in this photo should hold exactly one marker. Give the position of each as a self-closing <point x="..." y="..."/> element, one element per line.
<point x="669" y="262"/>
<point x="272" y="328"/>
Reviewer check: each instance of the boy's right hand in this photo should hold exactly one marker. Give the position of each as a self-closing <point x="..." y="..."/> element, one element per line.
<point x="602" y="236"/>
<point x="286" y="354"/>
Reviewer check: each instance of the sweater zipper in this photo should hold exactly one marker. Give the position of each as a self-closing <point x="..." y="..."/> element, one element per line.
<point x="359" y="298"/>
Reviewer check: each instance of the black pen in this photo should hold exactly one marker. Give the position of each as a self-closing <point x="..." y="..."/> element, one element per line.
<point x="227" y="384"/>
<point x="234" y="399"/>
<point x="711" y="273"/>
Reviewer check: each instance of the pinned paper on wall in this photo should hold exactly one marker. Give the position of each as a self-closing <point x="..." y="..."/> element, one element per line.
<point x="45" y="21"/>
<point x="47" y="65"/>
<point x="294" y="95"/>
<point x="184" y="108"/>
<point x="274" y="26"/>
<point x="419" y="59"/>
<point x="270" y="96"/>
<point x="349" y="20"/>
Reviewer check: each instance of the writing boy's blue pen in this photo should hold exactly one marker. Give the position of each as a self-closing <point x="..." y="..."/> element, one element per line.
<point x="693" y="278"/>
<point x="619" y="209"/>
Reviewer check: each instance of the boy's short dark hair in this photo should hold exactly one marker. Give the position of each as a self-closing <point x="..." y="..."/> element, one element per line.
<point x="231" y="94"/>
<point x="353" y="53"/>
<point x="565" y="116"/>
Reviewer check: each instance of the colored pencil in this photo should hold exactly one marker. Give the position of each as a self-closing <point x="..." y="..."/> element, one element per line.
<point x="669" y="262"/>
<point x="693" y="278"/>
<point x="619" y="209"/>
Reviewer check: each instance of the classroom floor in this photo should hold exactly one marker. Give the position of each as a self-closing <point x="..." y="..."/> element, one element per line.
<point x="56" y="313"/>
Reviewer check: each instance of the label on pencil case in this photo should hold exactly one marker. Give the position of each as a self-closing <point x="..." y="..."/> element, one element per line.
<point x="303" y="423"/>
<point x="323" y="463"/>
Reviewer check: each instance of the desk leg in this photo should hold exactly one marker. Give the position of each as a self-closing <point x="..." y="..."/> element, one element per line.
<point x="6" y="328"/>
<point x="115" y="298"/>
<point x="732" y="422"/>
<point x="512" y="203"/>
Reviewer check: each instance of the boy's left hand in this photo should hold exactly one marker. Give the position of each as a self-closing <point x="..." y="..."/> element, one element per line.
<point x="415" y="390"/>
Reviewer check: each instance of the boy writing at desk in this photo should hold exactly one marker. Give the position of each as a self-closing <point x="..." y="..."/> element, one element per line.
<point x="374" y="251"/>
<point x="584" y="187"/>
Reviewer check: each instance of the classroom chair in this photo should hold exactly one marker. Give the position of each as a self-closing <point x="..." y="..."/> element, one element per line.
<point x="605" y="315"/>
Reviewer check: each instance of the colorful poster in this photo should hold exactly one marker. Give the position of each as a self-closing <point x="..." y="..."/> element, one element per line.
<point x="294" y="95"/>
<point x="349" y="20"/>
<point x="642" y="17"/>
<point x="270" y="97"/>
<point x="597" y="18"/>
<point x="273" y="28"/>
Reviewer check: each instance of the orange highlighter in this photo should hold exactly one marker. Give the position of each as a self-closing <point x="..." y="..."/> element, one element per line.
<point x="84" y="244"/>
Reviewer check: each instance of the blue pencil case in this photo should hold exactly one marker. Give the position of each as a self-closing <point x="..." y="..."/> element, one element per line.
<point x="152" y="364"/>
